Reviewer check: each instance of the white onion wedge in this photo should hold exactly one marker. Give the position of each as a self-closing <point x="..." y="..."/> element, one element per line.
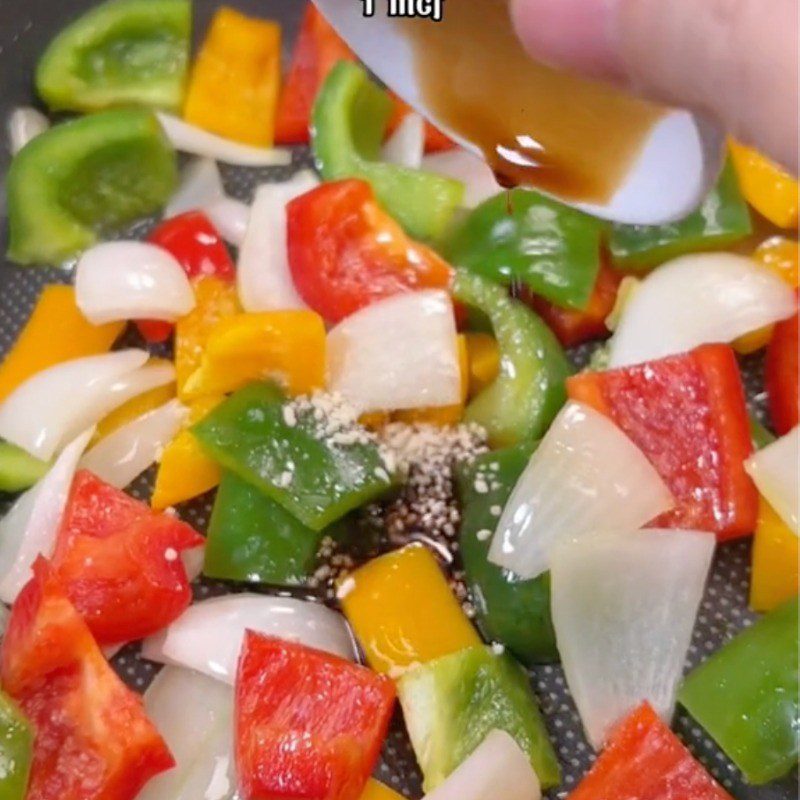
<point x="131" y="280"/>
<point x="263" y="279"/>
<point x="230" y="217"/>
<point x="624" y="607"/>
<point x="698" y="299"/>
<point x="406" y="145"/>
<point x="476" y="175"/>
<point x="400" y="352"/>
<point x="193" y="559"/>
<point x="190" y="139"/>
<point x="194" y="714"/>
<point x="24" y="123"/>
<point x="200" y="186"/>
<point x="128" y="451"/>
<point x="774" y="469"/>
<point x="40" y="414"/>
<point x="586" y="476"/>
<point x="30" y="527"/>
<point x="207" y="637"/>
<point x="496" y="768"/>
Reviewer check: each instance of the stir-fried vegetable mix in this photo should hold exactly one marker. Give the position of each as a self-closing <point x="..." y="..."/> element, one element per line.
<point x="366" y="367"/>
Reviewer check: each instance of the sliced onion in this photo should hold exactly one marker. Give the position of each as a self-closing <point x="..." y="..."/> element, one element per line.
<point x="399" y="352"/>
<point x="200" y="186"/>
<point x="41" y="413"/>
<point x="624" y="607"/>
<point x="131" y="280"/>
<point x="774" y="469"/>
<point x="230" y="218"/>
<point x="30" y="527"/>
<point x="263" y="279"/>
<point x="193" y="561"/>
<point x="194" y="714"/>
<point x="208" y="636"/>
<point x="191" y="139"/>
<point x="586" y="476"/>
<point x="406" y="145"/>
<point x="496" y="768"/>
<point x="698" y="299"/>
<point x="25" y="123"/>
<point x="472" y="171"/>
<point x="128" y="451"/>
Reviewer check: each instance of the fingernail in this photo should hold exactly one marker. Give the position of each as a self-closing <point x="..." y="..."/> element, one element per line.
<point x="579" y="35"/>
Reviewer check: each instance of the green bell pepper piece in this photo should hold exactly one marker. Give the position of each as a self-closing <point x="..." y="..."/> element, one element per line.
<point x="122" y="52"/>
<point x="509" y="610"/>
<point x="348" y="124"/>
<point x="722" y="218"/>
<point x="530" y="390"/>
<point x="252" y="538"/>
<point x="18" y="468"/>
<point x="525" y="238"/>
<point x="759" y="435"/>
<point x="84" y="176"/>
<point x="746" y="696"/>
<point x="16" y="750"/>
<point x="314" y="478"/>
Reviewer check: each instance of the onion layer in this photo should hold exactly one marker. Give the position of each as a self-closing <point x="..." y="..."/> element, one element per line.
<point x="774" y="469"/>
<point x="476" y="175"/>
<point x="24" y="123"/>
<point x="406" y="145"/>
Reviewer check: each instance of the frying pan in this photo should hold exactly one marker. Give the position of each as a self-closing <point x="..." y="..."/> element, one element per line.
<point x="26" y="26"/>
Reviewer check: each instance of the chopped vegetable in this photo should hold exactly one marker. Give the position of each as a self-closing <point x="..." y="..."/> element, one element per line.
<point x="782" y="256"/>
<point x="316" y="471"/>
<point x="624" y="606"/>
<point x="306" y="720"/>
<point x="695" y="300"/>
<point x="92" y="173"/>
<point x="746" y="696"/>
<point x="400" y="352"/>
<point x="451" y="704"/>
<point x="200" y="187"/>
<point x="483" y="361"/>
<point x="345" y="252"/>
<point x="523" y="237"/>
<point x="479" y="181"/>
<point x="138" y="405"/>
<point x="646" y="760"/>
<point x="585" y="470"/>
<point x="349" y="120"/>
<point x="528" y="392"/>
<point x="406" y="145"/>
<point x="722" y="219"/>
<point x="509" y="610"/>
<point x="403" y="612"/>
<point x="24" y="123"/>
<point x="121" y="52"/>
<point x="687" y="413"/>
<point x="776" y="557"/>
<point x="251" y="538"/>
<point x="377" y="791"/>
<point x="781" y="375"/>
<point x="19" y="469"/>
<point x="16" y="750"/>
<point x="208" y="636"/>
<point x="93" y="739"/>
<point x="233" y="88"/>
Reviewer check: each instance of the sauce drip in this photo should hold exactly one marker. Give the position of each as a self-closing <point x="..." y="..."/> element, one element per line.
<point x="535" y="126"/>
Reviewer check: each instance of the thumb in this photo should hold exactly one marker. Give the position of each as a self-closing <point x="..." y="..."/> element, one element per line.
<point x="734" y="59"/>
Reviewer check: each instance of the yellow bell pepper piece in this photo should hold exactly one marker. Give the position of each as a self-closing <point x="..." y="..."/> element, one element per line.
<point x="403" y="612"/>
<point x="375" y="420"/>
<point x="56" y="331"/>
<point x="780" y="255"/>
<point x="215" y="300"/>
<point x="483" y="356"/>
<point x="776" y="550"/>
<point x="184" y="470"/>
<point x="379" y="791"/>
<point x="234" y="84"/>
<point x="286" y="345"/>
<point x="767" y="187"/>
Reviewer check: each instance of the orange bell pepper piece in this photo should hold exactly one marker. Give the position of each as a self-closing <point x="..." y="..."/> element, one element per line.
<point x="483" y="357"/>
<point x="234" y="84"/>
<point x="379" y="791"/>
<point x="776" y="550"/>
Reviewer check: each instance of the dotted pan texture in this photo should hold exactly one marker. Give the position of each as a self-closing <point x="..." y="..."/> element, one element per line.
<point x="25" y="28"/>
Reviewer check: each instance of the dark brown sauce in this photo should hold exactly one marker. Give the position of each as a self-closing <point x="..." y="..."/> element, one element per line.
<point x="536" y="126"/>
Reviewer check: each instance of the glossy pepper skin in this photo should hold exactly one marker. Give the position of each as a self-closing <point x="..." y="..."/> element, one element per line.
<point x="523" y="237"/>
<point x="511" y="611"/>
<point x="746" y="696"/>
<point x="121" y="52"/>
<point x="90" y="174"/>
<point x="721" y="219"/>
<point x="348" y="124"/>
<point x="529" y="391"/>
<point x="16" y="750"/>
<point x="781" y="375"/>
<point x="776" y="554"/>
<point x="234" y="84"/>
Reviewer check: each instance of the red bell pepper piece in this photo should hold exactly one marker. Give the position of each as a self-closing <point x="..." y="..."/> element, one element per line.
<point x="687" y="414"/>
<point x="645" y="760"/>
<point x="93" y="739"/>
<point x="197" y="245"/>
<point x="346" y="252"/>
<point x="781" y="375"/>
<point x="119" y="561"/>
<point x="308" y="725"/>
